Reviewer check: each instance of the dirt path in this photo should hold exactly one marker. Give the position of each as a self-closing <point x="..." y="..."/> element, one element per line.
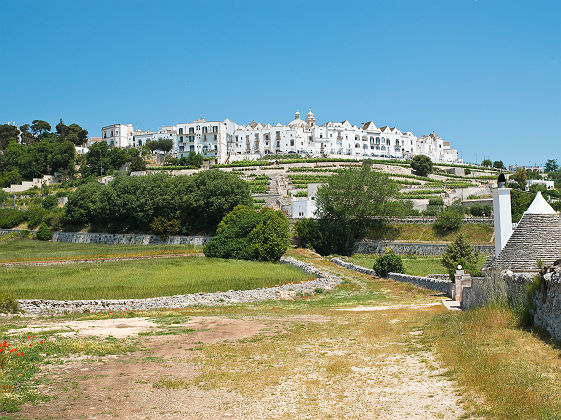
<point x="342" y="364"/>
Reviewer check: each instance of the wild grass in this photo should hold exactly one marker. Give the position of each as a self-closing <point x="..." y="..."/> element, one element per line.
<point x="31" y="250"/>
<point x="414" y="265"/>
<point x="476" y="233"/>
<point x="143" y="278"/>
<point x="516" y="371"/>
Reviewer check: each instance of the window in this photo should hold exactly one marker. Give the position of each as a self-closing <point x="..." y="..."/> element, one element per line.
<point x="292" y="142"/>
<point x="205" y="129"/>
<point x="191" y="130"/>
<point x="181" y="139"/>
<point x="215" y="129"/>
<point x="181" y="131"/>
<point x="215" y="137"/>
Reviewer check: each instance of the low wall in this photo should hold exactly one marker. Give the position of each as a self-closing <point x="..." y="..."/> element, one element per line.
<point x="127" y="239"/>
<point x="501" y="287"/>
<point x="437" y="285"/>
<point x="289" y="291"/>
<point x="427" y="220"/>
<point x="414" y="248"/>
<point x="548" y="303"/>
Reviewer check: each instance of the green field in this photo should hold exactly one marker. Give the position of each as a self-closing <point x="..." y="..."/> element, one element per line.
<point x="475" y="233"/>
<point x="28" y="250"/>
<point x="414" y="265"/>
<point x="143" y="278"/>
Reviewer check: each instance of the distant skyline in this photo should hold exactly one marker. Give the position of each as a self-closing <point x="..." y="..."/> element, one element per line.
<point x="485" y="75"/>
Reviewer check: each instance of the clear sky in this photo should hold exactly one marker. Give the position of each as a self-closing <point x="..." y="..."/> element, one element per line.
<point x="484" y="74"/>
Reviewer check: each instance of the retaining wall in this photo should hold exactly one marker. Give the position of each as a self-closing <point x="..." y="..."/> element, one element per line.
<point x="415" y="248"/>
<point x="127" y="239"/>
<point x="438" y="285"/>
<point x="548" y="303"/>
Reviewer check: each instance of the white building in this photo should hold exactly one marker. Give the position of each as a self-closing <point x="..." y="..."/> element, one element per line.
<point x="117" y="135"/>
<point x="549" y="185"/>
<point x="140" y="138"/>
<point x="207" y="138"/>
<point x="305" y="207"/>
<point x="228" y="141"/>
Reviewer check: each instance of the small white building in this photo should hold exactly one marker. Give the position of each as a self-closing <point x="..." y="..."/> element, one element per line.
<point x="305" y="207"/>
<point x="549" y="185"/>
<point x="117" y="135"/>
<point x="140" y="138"/>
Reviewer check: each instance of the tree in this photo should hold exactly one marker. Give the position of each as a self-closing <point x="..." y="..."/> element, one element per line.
<point x="520" y="201"/>
<point x="487" y="163"/>
<point x="49" y="202"/>
<point x="40" y="127"/>
<point x="165" y="145"/>
<point x="422" y="165"/>
<point x="26" y="136"/>
<point x="347" y="204"/>
<point x="461" y="253"/>
<point x="97" y="159"/>
<point x="247" y="234"/>
<point x="450" y="220"/>
<point x="8" y="133"/>
<point x="498" y="164"/>
<point x="520" y="177"/>
<point x="551" y="165"/>
<point x="43" y="232"/>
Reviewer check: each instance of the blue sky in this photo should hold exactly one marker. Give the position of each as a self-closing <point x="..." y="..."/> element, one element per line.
<point x="485" y="75"/>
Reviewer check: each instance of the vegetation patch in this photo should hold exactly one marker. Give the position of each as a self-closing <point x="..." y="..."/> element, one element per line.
<point x="144" y="278"/>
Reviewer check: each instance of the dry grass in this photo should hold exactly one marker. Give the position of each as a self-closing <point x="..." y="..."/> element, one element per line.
<point x="517" y="372"/>
<point x="475" y="233"/>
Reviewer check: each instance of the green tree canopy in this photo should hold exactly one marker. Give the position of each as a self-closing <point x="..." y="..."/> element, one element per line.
<point x="498" y="164"/>
<point x="487" y="162"/>
<point x="422" y="165"/>
<point x="551" y="165"/>
<point x="459" y="252"/>
<point x="8" y="133"/>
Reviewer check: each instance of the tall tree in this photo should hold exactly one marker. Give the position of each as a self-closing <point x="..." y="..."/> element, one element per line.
<point x="8" y="133"/>
<point x="487" y="162"/>
<point x="498" y="164"/>
<point x="40" y="127"/>
<point x="551" y="165"/>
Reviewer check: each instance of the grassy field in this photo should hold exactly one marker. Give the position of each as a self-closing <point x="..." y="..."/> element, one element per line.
<point x="143" y="278"/>
<point x="413" y="264"/>
<point x="308" y="360"/>
<point x="474" y="232"/>
<point x="30" y="250"/>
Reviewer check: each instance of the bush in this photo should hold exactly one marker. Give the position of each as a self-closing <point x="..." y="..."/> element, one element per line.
<point x="247" y="234"/>
<point x="468" y="171"/>
<point x="480" y="210"/>
<point x="8" y="304"/>
<point x="436" y="202"/>
<point x="10" y="218"/>
<point x="388" y="263"/>
<point x="50" y="201"/>
<point x="448" y="221"/>
<point x="422" y="165"/>
<point x="43" y="233"/>
<point x="306" y="231"/>
<point x="461" y="253"/>
<point x="55" y="218"/>
<point x="164" y="228"/>
<point x="35" y="216"/>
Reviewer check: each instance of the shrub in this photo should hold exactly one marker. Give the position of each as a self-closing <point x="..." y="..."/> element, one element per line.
<point x="422" y="165"/>
<point x="43" y="233"/>
<point x="436" y="202"/>
<point x="480" y="210"/>
<point x="461" y="253"/>
<point x="8" y="304"/>
<point x="55" y="218"/>
<point x="35" y="216"/>
<point x="388" y="263"/>
<point x="306" y="231"/>
<point x="247" y="234"/>
<point x="50" y="201"/>
<point x="468" y="171"/>
<point x="10" y="218"/>
<point x="450" y="220"/>
<point x="164" y="228"/>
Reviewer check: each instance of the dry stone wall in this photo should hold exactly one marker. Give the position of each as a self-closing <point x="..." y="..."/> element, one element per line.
<point x="289" y="291"/>
<point x="437" y="284"/>
<point x="127" y="239"/>
<point x="547" y="314"/>
<point x="497" y="287"/>
<point x="412" y="248"/>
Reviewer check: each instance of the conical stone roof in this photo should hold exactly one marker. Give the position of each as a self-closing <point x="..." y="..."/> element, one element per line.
<point x="536" y="238"/>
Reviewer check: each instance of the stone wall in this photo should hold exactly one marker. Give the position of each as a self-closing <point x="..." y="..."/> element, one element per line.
<point x="415" y="248"/>
<point x="438" y="285"/>
<point x="289" y="291"/>
<point x="547" y="314"/>
<point x="127" y="239"/>
<point x="497" y="287"/>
